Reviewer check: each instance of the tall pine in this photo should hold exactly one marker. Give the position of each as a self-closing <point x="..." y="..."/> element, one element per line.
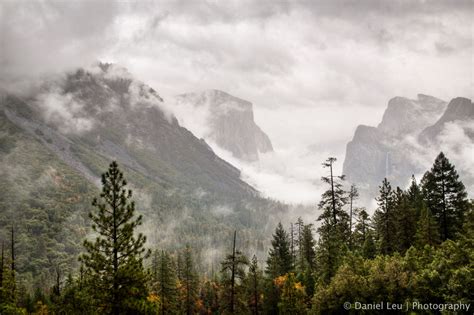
<point x="445" y="196"/>
<point x="233" y="275"/>
<point x="334" y="231"/>
<point x="115" y="259"/>
<point x="384" y="218"/>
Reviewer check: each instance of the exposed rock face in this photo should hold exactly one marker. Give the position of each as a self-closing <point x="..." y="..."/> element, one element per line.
<point x="405" y="116"/>
<point x="105" y="111"/>
<point x="391" y="150"/>
<point x="229" y="122"/>
<point x="459" y="109"/>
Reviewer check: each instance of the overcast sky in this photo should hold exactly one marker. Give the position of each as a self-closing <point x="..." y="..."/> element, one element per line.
<point x="313" y="69"/>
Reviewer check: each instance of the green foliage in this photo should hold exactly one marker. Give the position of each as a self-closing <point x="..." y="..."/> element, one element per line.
<point x="445" y="196"/>
<point x="188" y="282"/>
<point x="165" y="282"/>
<point x="254" y="287"/>
<point x="114" y="259"/>
<point x="293" y="296"/>
<point x="427" y="232"/>
<point x="279" y="261"/>
<point x="384" y="219"/>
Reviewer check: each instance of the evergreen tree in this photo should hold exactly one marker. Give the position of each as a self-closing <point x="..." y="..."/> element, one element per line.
<point x="369" y="249"/>
<point x="427" y="232"/>
<point x="254" y="287"/>
<point x="330" y="250"/>
<point x="384" y="218"/>
<point x="415" y="196"/>
<point x="362" y="227"/>
<point x="189" y="283"/>
<point x="334" y="231"/>
<point x="233" y="274"/>
<point x="278" y="264"/>
<point x="279" y="257"/>
<point x="299" y="241"/>
<point x="445" y="196"/>
<point x="115" y="259"/>
<point x="333" y="200"/>
<point x="353" y="195"/>
<point x="309" y="259"/>
<point x="308" y="247"/>
<point x="165" y="284"/>
<point x="405" y="222"/>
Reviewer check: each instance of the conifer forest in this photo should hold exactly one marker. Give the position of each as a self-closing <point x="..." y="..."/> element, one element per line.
<point x="247" y="157"/>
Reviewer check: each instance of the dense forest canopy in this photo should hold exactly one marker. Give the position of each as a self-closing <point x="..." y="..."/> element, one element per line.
<point x="416" y="249"/>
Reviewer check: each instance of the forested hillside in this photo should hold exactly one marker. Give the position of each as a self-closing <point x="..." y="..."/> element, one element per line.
<point x="56" y="141"/>
<point x="416" y="250"/>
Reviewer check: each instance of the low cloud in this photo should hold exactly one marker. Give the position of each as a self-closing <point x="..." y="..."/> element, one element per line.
<point x="64" y="111"/>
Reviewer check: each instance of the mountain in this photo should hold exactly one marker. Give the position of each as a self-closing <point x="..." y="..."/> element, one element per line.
<point x="397" y="147"/>
<point x="56" y="141"/>
<point x="228" y="122"/>
<point x="459" y="110"/>
<point x="406" y="116"/>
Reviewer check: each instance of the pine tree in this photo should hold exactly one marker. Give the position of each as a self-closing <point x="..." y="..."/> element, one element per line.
<point x="369" y="249"/>
<point x="278" y="264"/>
<point x="330" y="250"/>
<point x="405" y="222"/>
<point x="309" y="259"/>
<point x="233" y="274"/>
<point x="299" y="241"/>
<point x="115" y="259"/>
<point x="445" y="196"/>
<point x="362" y="227"/>
<point x="308" y="247"/>
<point x="165" y="284"/>
<point x="279" y="257"/>
<point x="415" y="196"/>
<point x="353" y="195"/>
<point x="334" y="231"/>
<point x="384" y="218"/>
<point x="254" y="287"/>
<point x="333" y="200"/>
<point x="189" y="283"/>
<point x="427" y="232"/>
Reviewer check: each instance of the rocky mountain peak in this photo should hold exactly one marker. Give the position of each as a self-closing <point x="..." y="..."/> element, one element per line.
<point x="228" y="121"/>
<point x="459" y="109"/>
<point x="410" y="116"/>
<point x="375" y="153"/>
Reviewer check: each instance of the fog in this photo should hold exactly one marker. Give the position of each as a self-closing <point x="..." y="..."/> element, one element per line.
<point x="313" y="70"/>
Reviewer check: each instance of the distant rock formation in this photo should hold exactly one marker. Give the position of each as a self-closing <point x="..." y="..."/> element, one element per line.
<point x="229" y="122"/>
<point x="409" y="128"/>
<point x="459" y="109"/>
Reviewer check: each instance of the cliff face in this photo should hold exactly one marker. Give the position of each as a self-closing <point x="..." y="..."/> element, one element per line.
<point x="460" y="109"/>
<point x="106" y="112"/>
<point x="392" y="148"/>
<point x="405" y="116"/>
<point x="229" y="122"/>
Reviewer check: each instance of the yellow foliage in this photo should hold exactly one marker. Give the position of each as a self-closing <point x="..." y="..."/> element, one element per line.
<point x="153" y="298"/>
<point x="280" y="280"/>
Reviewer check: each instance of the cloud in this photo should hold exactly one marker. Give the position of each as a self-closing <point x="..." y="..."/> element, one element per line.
<point x="313" y="69"/>
<point x="64" y="111"/>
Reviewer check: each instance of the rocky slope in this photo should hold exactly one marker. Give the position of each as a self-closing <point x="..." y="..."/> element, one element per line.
<point x="56" y="142"/>
<point x="398" y="147"/>
<point x="227" y="121"/>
